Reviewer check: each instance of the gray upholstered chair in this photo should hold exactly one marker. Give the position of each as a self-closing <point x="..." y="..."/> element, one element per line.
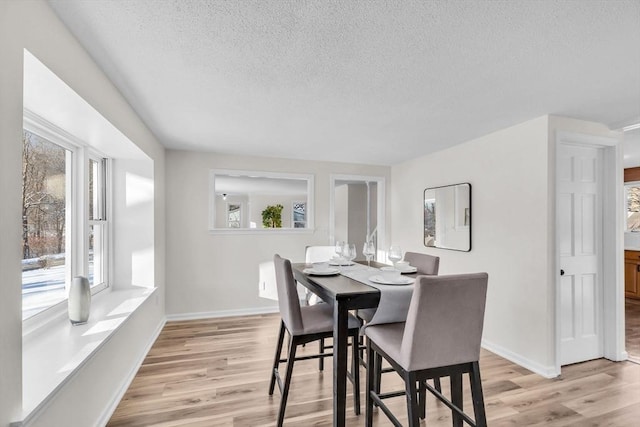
<point x="305" y="324"/>
<point x="441" y="338"/>
<point x="425" y="265"/>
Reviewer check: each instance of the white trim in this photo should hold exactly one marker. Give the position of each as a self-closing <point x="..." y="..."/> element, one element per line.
<point x="126" y="382"/>
<point x="222" y="313"/>
<point x="310" y="178"/>
<point x="584" y="139"/>
<point x="75" y="336"/>
<point x="625" y="124"/>
<point x="611" y="258"/>
<point x="238" y="231"/>
<point x="36" y="124"/>
<point x="545" y="371"/>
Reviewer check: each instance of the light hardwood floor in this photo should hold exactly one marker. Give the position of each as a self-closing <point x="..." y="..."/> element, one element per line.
<point x="216" y="373"/>
<point x="632" y="328"/>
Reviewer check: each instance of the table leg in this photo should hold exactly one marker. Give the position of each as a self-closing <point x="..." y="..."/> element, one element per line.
<point x="340" y="326"/>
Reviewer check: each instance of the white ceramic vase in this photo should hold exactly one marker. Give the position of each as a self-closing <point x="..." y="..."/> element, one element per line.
<point x="79" y="300"/>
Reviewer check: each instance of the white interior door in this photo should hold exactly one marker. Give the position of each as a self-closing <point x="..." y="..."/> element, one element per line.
<point x="580" y="246"/>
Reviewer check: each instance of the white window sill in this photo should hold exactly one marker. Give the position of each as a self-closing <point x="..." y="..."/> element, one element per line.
<point x="261" y="231"/>
<point x="54" y="353"/>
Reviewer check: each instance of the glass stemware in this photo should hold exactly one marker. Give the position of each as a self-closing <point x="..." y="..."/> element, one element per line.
<point x="395" y="254"/>
<point x="339" y="249"/>
<point x="368" y="250"/>
<point x="350" y="252"/>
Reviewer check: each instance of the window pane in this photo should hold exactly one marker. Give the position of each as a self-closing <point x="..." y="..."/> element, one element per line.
<point x="96" y="254"/>
<point x="45" y="191"/>
<point x="96" y="189"/>
<point x="299" y="215"/>
<point x="233" y="215"/>
<point x="633" y="208"/>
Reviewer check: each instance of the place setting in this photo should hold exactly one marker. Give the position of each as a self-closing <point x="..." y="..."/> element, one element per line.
<point x="321" y="269"/>
<point x="393" y="275"/>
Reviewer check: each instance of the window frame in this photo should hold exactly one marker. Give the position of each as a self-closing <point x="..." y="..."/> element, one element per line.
<point x="105" y="215"/>
<point x="77" y="207"/>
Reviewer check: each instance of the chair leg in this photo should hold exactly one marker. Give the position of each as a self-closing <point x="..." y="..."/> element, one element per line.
<point x="371" y="375"/>
<point x="355" y="372"/>
<point x="287" y="380"/>
<point x="422" y="396"/>
<point x="321" y="360"/>
<point x="276" y="361"/>
<point x="456" y="398"/>
<point x="378" y="371"/>
<point x="477" y="395"/>
<point x="413" y="406"/>
<point x="437" y="385"/>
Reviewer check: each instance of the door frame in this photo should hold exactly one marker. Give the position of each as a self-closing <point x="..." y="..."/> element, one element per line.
<point x="380" y="208"/>
<point x="611" y="256"/>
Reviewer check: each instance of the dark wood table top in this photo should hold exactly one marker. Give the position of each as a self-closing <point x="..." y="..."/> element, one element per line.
<point x="339" y="288"/>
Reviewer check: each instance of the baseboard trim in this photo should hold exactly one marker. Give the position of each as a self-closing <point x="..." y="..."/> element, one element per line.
<point x="124" y="386"/>
<point x="545" y="371"/>
<point x="222" y="313"/>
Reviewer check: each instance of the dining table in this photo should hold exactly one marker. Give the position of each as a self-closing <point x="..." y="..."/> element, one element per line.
<point x="343" y="293"/>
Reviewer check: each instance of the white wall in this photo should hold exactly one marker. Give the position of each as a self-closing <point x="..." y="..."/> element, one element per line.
<point x="33" y="25"/>
<point x="341" y="212"/>
<point x="512" y="174"/>
<point x="508" y="172"/>
<point x="357" y="217"/>
<point x="214" y="273"/>
<point x="133" y="204"/>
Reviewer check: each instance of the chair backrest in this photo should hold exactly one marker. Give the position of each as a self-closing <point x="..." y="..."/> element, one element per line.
<point x="445" y="321"/>
<point x="426" y="264"/>
<point x="319" y="253"/>
<point x="288" y="302"/>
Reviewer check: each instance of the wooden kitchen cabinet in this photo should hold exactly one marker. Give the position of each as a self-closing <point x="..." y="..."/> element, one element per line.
<point x="632" y="274"/>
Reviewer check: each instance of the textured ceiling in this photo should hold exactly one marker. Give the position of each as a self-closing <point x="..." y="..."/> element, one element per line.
<point x="359" y="81"/>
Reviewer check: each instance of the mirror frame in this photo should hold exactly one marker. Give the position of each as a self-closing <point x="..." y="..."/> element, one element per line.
<point x="260" y="174"/>
<point x="469" y="226"/>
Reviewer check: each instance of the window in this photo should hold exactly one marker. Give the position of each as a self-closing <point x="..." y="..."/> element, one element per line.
<point x="233" y="215"/>
<point x="64" y="203"/>
<point x="632" y="192"/>
<point x="45" y="193"/>
<point x="299" y="212"/>
<point x="97" y="221"/>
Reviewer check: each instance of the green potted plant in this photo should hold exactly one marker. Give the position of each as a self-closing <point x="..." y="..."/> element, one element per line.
<point x="272" y="216"/>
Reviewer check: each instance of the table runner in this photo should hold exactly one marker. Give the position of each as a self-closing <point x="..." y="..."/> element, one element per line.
<point x="394" y="299"/>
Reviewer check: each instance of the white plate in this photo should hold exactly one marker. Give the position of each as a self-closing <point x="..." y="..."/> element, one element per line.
<point x="400" y="281"/>
<point x="408" y="270"/>
<point x="327" y="272"/>
<point x="340" y="262"/>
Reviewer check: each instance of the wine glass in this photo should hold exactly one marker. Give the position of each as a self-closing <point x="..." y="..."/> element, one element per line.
<point x="339" y="250"/>
<point x="350" y="252"/>
<point x="369" y="250"/>
<point x="395" y="254"/>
